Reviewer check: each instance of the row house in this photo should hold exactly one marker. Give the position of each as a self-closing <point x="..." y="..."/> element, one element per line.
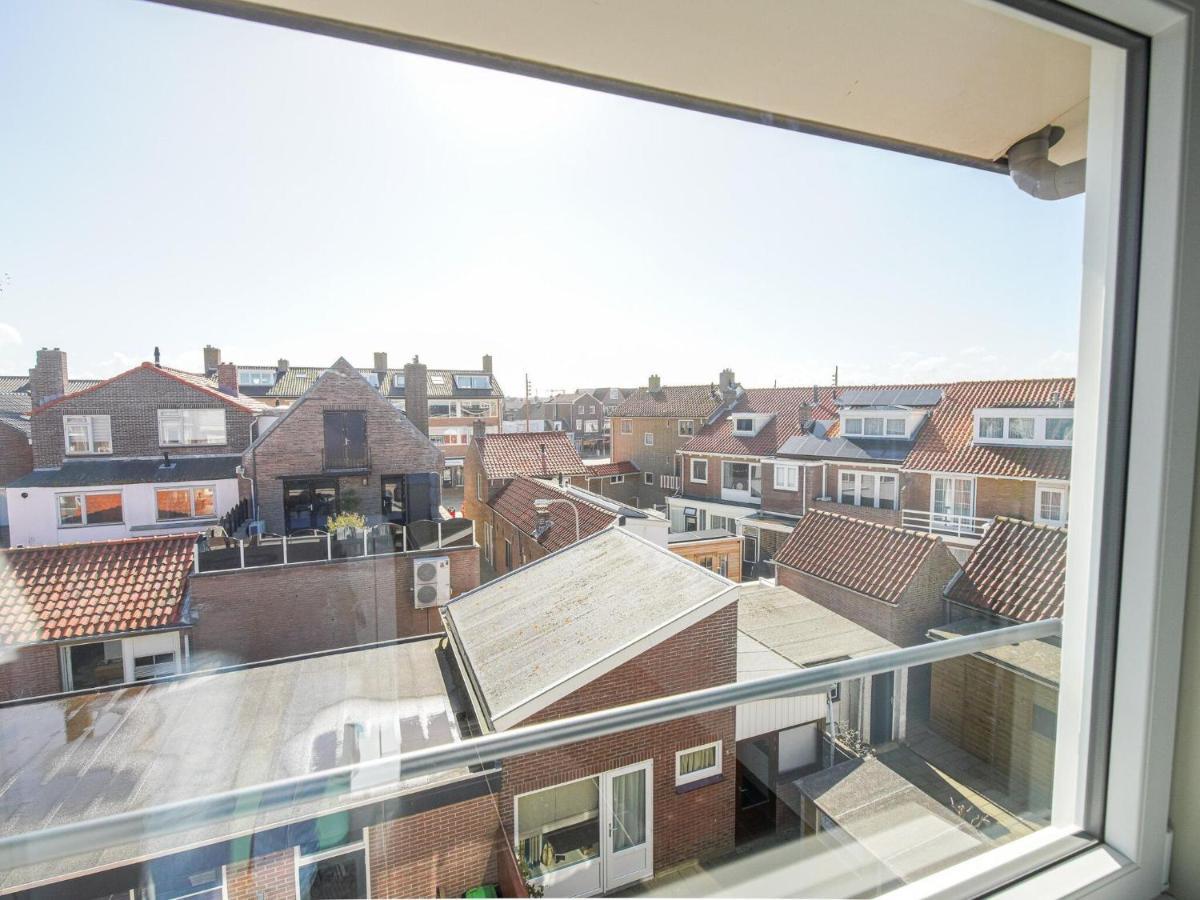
<point x="495" y="459"/>
<point x="582" y="415"/>
<point x="150" y="451"/>
<point x="654" y="423"/>
<point x="444" y="403"/>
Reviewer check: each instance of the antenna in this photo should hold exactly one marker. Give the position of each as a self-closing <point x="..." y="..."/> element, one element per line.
<point x="835" y="376"/>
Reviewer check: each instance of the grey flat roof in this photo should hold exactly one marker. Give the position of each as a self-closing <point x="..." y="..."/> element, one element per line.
<point x="549" y="627"/>
<point x="907" y="396"/>
<point x="708" y="534"/>
<point x="95" y="755"/>
<point x="800" y="629"/>
<point x="880" y="450"/>
<point x="88" y="472"/>
<point x="1039" y="660"/>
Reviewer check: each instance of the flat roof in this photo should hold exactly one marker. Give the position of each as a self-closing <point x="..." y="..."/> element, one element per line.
<point x="546" y="629"/>
<point x="802" y="630"/>
<point x="94" y="755"/>
<point x="1038" y="659"/>
<point x="94" y="472"/>
<point x="708" y="534"/>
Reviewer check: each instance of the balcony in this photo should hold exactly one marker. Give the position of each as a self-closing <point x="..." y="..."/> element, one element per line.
<point x="346" y="460"/>
<point x="967" y="528"/>
<point x="669" y="482"/>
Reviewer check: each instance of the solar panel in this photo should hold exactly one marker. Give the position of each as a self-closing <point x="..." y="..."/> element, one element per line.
<point x="889" y="397"/>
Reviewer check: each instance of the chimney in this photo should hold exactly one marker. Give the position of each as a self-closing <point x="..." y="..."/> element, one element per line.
<point x="212" y="359"/>
<point x="416" y="394"/>
<point x="816" y="401"/>
<point x="281" y="365"/>
<point x="157" y="358"/>
<point x="381" y="364"/>
<point x="487" y="363"/>
<point x="728" y="384"/>
<point x="48" y="377"/>
<point x="655" y="384"/>
<point x="478" y="429"/>
<point x="805" y="417"/>
<point x="542" y="447"/>
<point x="227" y="379"/>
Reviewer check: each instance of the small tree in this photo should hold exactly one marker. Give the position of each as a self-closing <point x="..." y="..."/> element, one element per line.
<point x="347" y="520"/>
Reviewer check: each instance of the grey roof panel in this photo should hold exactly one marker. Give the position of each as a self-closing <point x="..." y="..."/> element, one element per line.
<point x="889" y="397"/>
<point x="708" y="534"/>
<point x="801" y="630"/>
<point x="881" y="450"/>
<point x="86" y="472"/>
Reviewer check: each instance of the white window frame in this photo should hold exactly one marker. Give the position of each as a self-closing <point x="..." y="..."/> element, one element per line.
<point x="254" y="378"/>
<point x="83" y="495"/>
<point x="648" y="479"/>
<point x="626" y="426"/>
<point x="692" y="463"/>
<point x="191" y="489"/>
<point x="616" y="479"/>
<point x="183" y="413"/>
<point x="89" y="422"/>
<point x="744" y="432"/>
<point x="363" y="844"/>
<point x="952" y="477"/>
<point x="648" y="439"/>
<point x="1039" y="415"/>
<point x="1050" y="488"/>
<point x="790" y="480"/>
<point x="699" y="774"/>
<point x="877" y="475"/>
<point x="691" y="427"/>
<point x="129" y="653"/>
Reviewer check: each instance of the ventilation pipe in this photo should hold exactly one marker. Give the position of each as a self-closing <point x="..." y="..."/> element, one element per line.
<point x="1032" y="171"/>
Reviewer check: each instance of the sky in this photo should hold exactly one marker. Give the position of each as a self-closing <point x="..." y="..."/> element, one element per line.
<point x="172" y="178"/>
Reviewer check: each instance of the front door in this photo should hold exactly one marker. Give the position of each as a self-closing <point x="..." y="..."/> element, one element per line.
<point x="882" y="690"/>
<point x="628" y="826"/>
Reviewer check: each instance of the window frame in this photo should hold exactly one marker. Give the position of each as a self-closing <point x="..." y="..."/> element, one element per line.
<point x="1045" y="487"/>
<point x="183" y="412"/>
<point x="793" y="469"/>
<point x="700" y="774"/>
<point x="648" y="439"/>
<point x="191" y="489"/>
<point x="83" y="495"/>
<point x="878" y="475"/>
<point x="616" y="479"/>
<point x="692" y="463"/>
<point x="648" y="479"/>
<point x="691" y="427"/>
<point x="300" y="860"/>
<point x="91" y="434"/>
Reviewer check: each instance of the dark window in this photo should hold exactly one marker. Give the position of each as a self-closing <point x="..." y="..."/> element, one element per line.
<point x="508" y="555"/>
<point x="95" y="665"/>
<point x="345" y="439"/>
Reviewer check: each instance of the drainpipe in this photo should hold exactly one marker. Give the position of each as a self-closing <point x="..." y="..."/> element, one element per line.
<point x="1032" y="171"/>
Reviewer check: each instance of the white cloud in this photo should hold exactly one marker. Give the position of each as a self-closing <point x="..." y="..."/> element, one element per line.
<point x="8" y="334"/>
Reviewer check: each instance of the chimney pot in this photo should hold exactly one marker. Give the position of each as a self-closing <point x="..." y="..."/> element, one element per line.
<point x="227" y="379"/>
<point x="281" y="365"/>
<point x="654" y="383"/>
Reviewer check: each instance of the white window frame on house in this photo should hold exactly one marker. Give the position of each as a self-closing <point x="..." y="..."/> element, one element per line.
<point x="687" y="427"/>
<point x="648" y="439"/>
<point x="398" y="381"/>
<point x="1037" y="416"/>
<point x="954" y="486"/>
<point x="698" y="774"/>
<point x="191" y="491"/>
<point x="438" y="380"/>
<point x="692" y="464"/>
<point x="97" y="431"/>
<point x="133" y="647"/>
<point x="648" y="479"/>
<point x="878" y="477"/>
<point x="362" y="844"/>
<point x="472" y="382"/>
<point x="626" y="426"/>
<point x="83" y="495"/>
<point x="616" y="479"/>
<point x="256" y="377"/>
<point x="1058" y="488"/>
<point x="191" y="431"/>
<point x="863" y="423"/>
<point x="579" y="424"/>
<point x="787" y="476"/>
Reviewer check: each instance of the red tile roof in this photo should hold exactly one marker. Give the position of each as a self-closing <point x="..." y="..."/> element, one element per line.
<point x="876" y="560"/>
<point x="91" y="589"/>
<point x="199" y="382"/>
<point x="598" y="470"/>
<point x="1017" y="571"/>
<point x="694" y="401"/>
<point x="515" y="502"/>
<point x="542" y="453"/>
<point x="944" y="444"/>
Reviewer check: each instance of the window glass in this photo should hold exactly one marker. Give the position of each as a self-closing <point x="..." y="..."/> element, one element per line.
<point x="887" y="491"/>
<point x="896" y="427"/>
<point x="743" y="425"/>
<point x="737" y="476"/>
<point x="191" y="427"/>
<point x="173" y="503"/>
<point x="686" y="427"/>
<point x="1045" y="721"/>
<point x="699" y="762"/>
<point x="854" y="426"/>
<point x="648" y="439"/>
<point x="872" y="427"/>
<point x="70" y="509"/>
<point x="204" y="501"/>
<point x="443" y="410"/>
<point x="991" y="427"/>
<point x="699" y="470"/>
<point x="560" y="826"/>
<point x="476" y="408"/>
<point x="1020" y="428"/>
<point x="341" y="875"/>
<point x="848" y="488"/>
<point x="398" y="381"/>
<point x="87" y="434"/>
<point x="102" y="509"/>
<point x="1059" y="429"/>
<point x="95" y="665"/>
<point x="626" y="426"/>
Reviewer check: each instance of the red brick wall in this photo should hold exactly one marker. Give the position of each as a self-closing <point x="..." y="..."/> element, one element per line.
<point x="438" y="853"/>
<point x="711" y="489"/>
<point x="16" y="454"/>
<point x="790" y="502"/>
<point x="271" y="877"/>
<point x="866" y="513"/>
<point x="993" y="496"/>
<point x="255" y="614"/>
<point x="30" y="672"/>
<point x="694" y="824"/>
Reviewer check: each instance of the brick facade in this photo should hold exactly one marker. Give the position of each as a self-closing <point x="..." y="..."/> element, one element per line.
<point x="16" y="453"/>
<point x="30" y="671"/>
<point x="270" y="877"/>
<point x="248" y="615"/>
<point x="993" y="496"/>
<point x="658" y="459"/>
<point x="294" y="448"/>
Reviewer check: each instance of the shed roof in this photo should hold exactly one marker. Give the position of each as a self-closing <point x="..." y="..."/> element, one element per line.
<point x="802" y="630"/>
<point x="1018" y="571"/>
<point x="515" y="502"/>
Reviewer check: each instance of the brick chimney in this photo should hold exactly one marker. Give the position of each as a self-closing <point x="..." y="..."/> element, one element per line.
<point x="654" y="384"/>
<point x="281" y="365"/>
<point x="487" y="363"/>
<point x="416" y="394"/>
<point x="381" y="364"/>
<point x="478" y="429"/>
<point x="805" y="416"/>
<point x="212" y="359"/>
<point x="728" y="384"/>
<point x="48" y="378"/>
<point x="227" y="379"/>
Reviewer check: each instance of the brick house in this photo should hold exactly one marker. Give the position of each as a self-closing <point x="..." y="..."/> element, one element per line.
<point x="619" y="481"/>
<point x="16" y="451"/>
<point x="1001" y="705"/>
<point x="580" y="414"/>
<point x="343" y="447"/>
<point x="84" y="616"/>
<point x="651" y="425"/>
<point x="493" y="459"/>
<point x="149" y="451"/>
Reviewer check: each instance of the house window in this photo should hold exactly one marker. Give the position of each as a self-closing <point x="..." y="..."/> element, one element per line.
<point x="698" y="763"/>
<point x="479" y="486"/>
<point x="251" y="378"/>
<point x="94" y="665"/>
<point x="185" y="503"/>
<point x="873" y="427"/>
<point x="686" y="427"/>
<point x="1052" y="427"/>
<point x="616" y="479"/>
<point x="87" y="434"/>
<point x="626" y="426"/>
<point x="742" y="477"/>
<point x="345" y="439"/>
<point x="443" y="410"/>
<point x="648" y="478"/>
<point x="89" y="509"/>
<point x="787" y="477"/>
<point x="479" y="408"/>
<point x="191" y="427"/>
<point x="1051" y="505"/>
<point x="331" y="860"/>
<point x="121" y="661"/>
<point x="1020" y="428"/>
<point x="867" y="489"/>
<point x="896" y="428"/>
<point x="398" y="382"/>
<point x="372" y="378"/>
<point x="437" y="380"/>
<point x="953" y="498"/>
<point x="1060" y="429"/>
<point x="648" y="438"/>
<point x="743" y="426"/>
<point x="565" y="819"/>
<point x="720" y="522"/>
<point x="472" y="382"/>
<point x="991" y="427"/>
<point x="508" y="555"/>
<point x="700" y="471"/>
<point x="579" y="424"/>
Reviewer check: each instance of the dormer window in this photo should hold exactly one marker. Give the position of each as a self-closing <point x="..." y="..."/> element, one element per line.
<point x="749" y="424"/>
<point x="863" y="424"/>
<point x="372" y="378"/>
<point x="743" y="426"/>
<point x="472" y="382"/>
<point x="255" y="378"/>
<point x="1025" y="427"/>
<point x="398" y="382"/>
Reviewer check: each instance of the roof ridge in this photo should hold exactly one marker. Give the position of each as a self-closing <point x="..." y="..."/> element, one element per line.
<point x="112" y="542"/>
<point x="884" y="525"/>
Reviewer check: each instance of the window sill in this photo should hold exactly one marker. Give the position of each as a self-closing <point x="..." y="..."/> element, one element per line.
<point x="173" y="523"/>
<point x="690" y="786"/>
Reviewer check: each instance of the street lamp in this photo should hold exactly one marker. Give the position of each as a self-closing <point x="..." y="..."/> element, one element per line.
<point x="543" y="506"/>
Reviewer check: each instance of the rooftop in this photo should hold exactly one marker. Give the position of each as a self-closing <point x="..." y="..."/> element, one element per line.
<point x="201" y="383"/>
<point x="94" y="472"/>
<point x="539" y="633"/>
<point x="608" y="469"/>
<point x="91" y="589"/>
<point x="94" y="755"/>
<point x="1017" y="571"/>
<point x="515" y="502"/>
<point x="543" y="453"/>
<point x="693" y="401"/>
<point x="693" y="537"/>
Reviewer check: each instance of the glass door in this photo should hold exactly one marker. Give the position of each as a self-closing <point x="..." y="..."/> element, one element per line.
<point x="629" y="816"/>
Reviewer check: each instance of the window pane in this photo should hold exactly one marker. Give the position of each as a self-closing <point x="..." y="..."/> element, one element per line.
<point x="1020" y="428"/>
<point x="70" y="509"/>
<point x="560" y="826"/>
<point x="854" y="426"/>
<point x="1058" y="429"/>
<point x="174" y="504"/>
<point x="77" y="436"/>
<point x="887" y="491"/>
<point x="991" y="427"/>
<point x="896" y="427"/>
<point x="102" y="508"/>
<point x="342" y="876"/>
<point x="204" y="502"/>
<point x="695" y="760"/>
<point x="866" y="490"/>
<point x="872" y="427"/>
<point x="848" y="487"/>
<point x="95" y="665"/>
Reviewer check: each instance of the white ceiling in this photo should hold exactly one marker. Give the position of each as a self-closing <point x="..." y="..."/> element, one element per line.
<point x="956" y="76"/>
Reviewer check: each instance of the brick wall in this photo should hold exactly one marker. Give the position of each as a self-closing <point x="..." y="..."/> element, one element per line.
<point x="30" y="672"/>
<point x="295" y="446"/>
<point x="627" y="491"/>
<point x="694" y="824"/>
<point x="993" y="496"/>
<point x="659" y="459"/>
<point x="16" y="454"/>
<point x="791" y="503"/>
<point x="712" y="551"/>
<point x="255" y="614"/>
<point x="438" y="853"/>
<point x="132" y="402"/>
<point x="270" y="877"/>
<point x="711" y="488"/>
<point x="473" y="507"/>
<point x="866" y="513"/>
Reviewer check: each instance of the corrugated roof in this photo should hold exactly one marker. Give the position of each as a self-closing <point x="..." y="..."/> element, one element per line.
<point x="515" y="502"/>
<point x="91" y="589"/>
<point x="554" y="625"/>
<point x="872" y="559"/>
<point x="539" y="453"/>
<point x="1017" y="571"/>
<point x="90" y="472"/>
<point x="695" y="401"/>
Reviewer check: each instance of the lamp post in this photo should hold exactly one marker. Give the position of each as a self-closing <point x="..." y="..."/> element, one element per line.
<point x="542" y="506"/>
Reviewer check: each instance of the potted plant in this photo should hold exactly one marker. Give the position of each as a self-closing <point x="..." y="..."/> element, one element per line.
<point x="344" y="524"/>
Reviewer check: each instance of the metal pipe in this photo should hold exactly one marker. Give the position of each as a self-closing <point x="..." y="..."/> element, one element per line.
<point x="111" y="831"/>
<point x="1032" y="171"/>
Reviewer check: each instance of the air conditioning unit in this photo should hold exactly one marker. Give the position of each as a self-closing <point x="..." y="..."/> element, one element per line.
<point x="431" y="581"/>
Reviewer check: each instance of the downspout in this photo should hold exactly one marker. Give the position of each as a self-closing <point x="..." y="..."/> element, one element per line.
<point x="803" y="490"/>
<point x="1032" y="171"/>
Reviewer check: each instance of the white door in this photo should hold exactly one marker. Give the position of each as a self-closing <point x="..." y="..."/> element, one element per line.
<point x="628" y="824"/>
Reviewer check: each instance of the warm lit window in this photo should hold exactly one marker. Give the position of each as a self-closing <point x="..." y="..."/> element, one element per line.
<point x="700" y="471"/>
<point x="185" y="503"/>
<point x="191" y="427"/>
<point x="698" y="763"/>
<point x="89" y="509"/>
<point x="87" y="434"/>
<point x="787" y="477"/>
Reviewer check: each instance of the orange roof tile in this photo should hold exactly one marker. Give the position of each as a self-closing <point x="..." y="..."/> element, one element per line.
<point x="92" y="589"/>
<point x="515" y="502"/>
<point x="695" y="401"/>
<point x="199" y="382"/>
<point x="597" y="470"/>
<point x="542" y="453"/>
<point x="1017" y="571"/>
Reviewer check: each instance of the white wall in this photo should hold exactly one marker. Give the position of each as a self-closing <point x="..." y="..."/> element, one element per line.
<point x="799" y="747"/>
<point x="651" y="528"/>
<point x="33" y="513"/>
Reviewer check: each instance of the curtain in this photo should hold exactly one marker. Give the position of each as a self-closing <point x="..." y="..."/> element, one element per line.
<point x="629" y="810"/>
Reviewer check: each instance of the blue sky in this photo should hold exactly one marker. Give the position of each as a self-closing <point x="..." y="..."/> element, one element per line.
<point x="174" y="178"/>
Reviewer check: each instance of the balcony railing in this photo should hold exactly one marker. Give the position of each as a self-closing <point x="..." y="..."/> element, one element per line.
<point x="345" y="459"/>
<point x="669" y="482"/>
<point x="968" y="527"/>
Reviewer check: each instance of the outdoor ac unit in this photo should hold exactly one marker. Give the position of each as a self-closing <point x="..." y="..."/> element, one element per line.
<point x="431" y="581"/>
